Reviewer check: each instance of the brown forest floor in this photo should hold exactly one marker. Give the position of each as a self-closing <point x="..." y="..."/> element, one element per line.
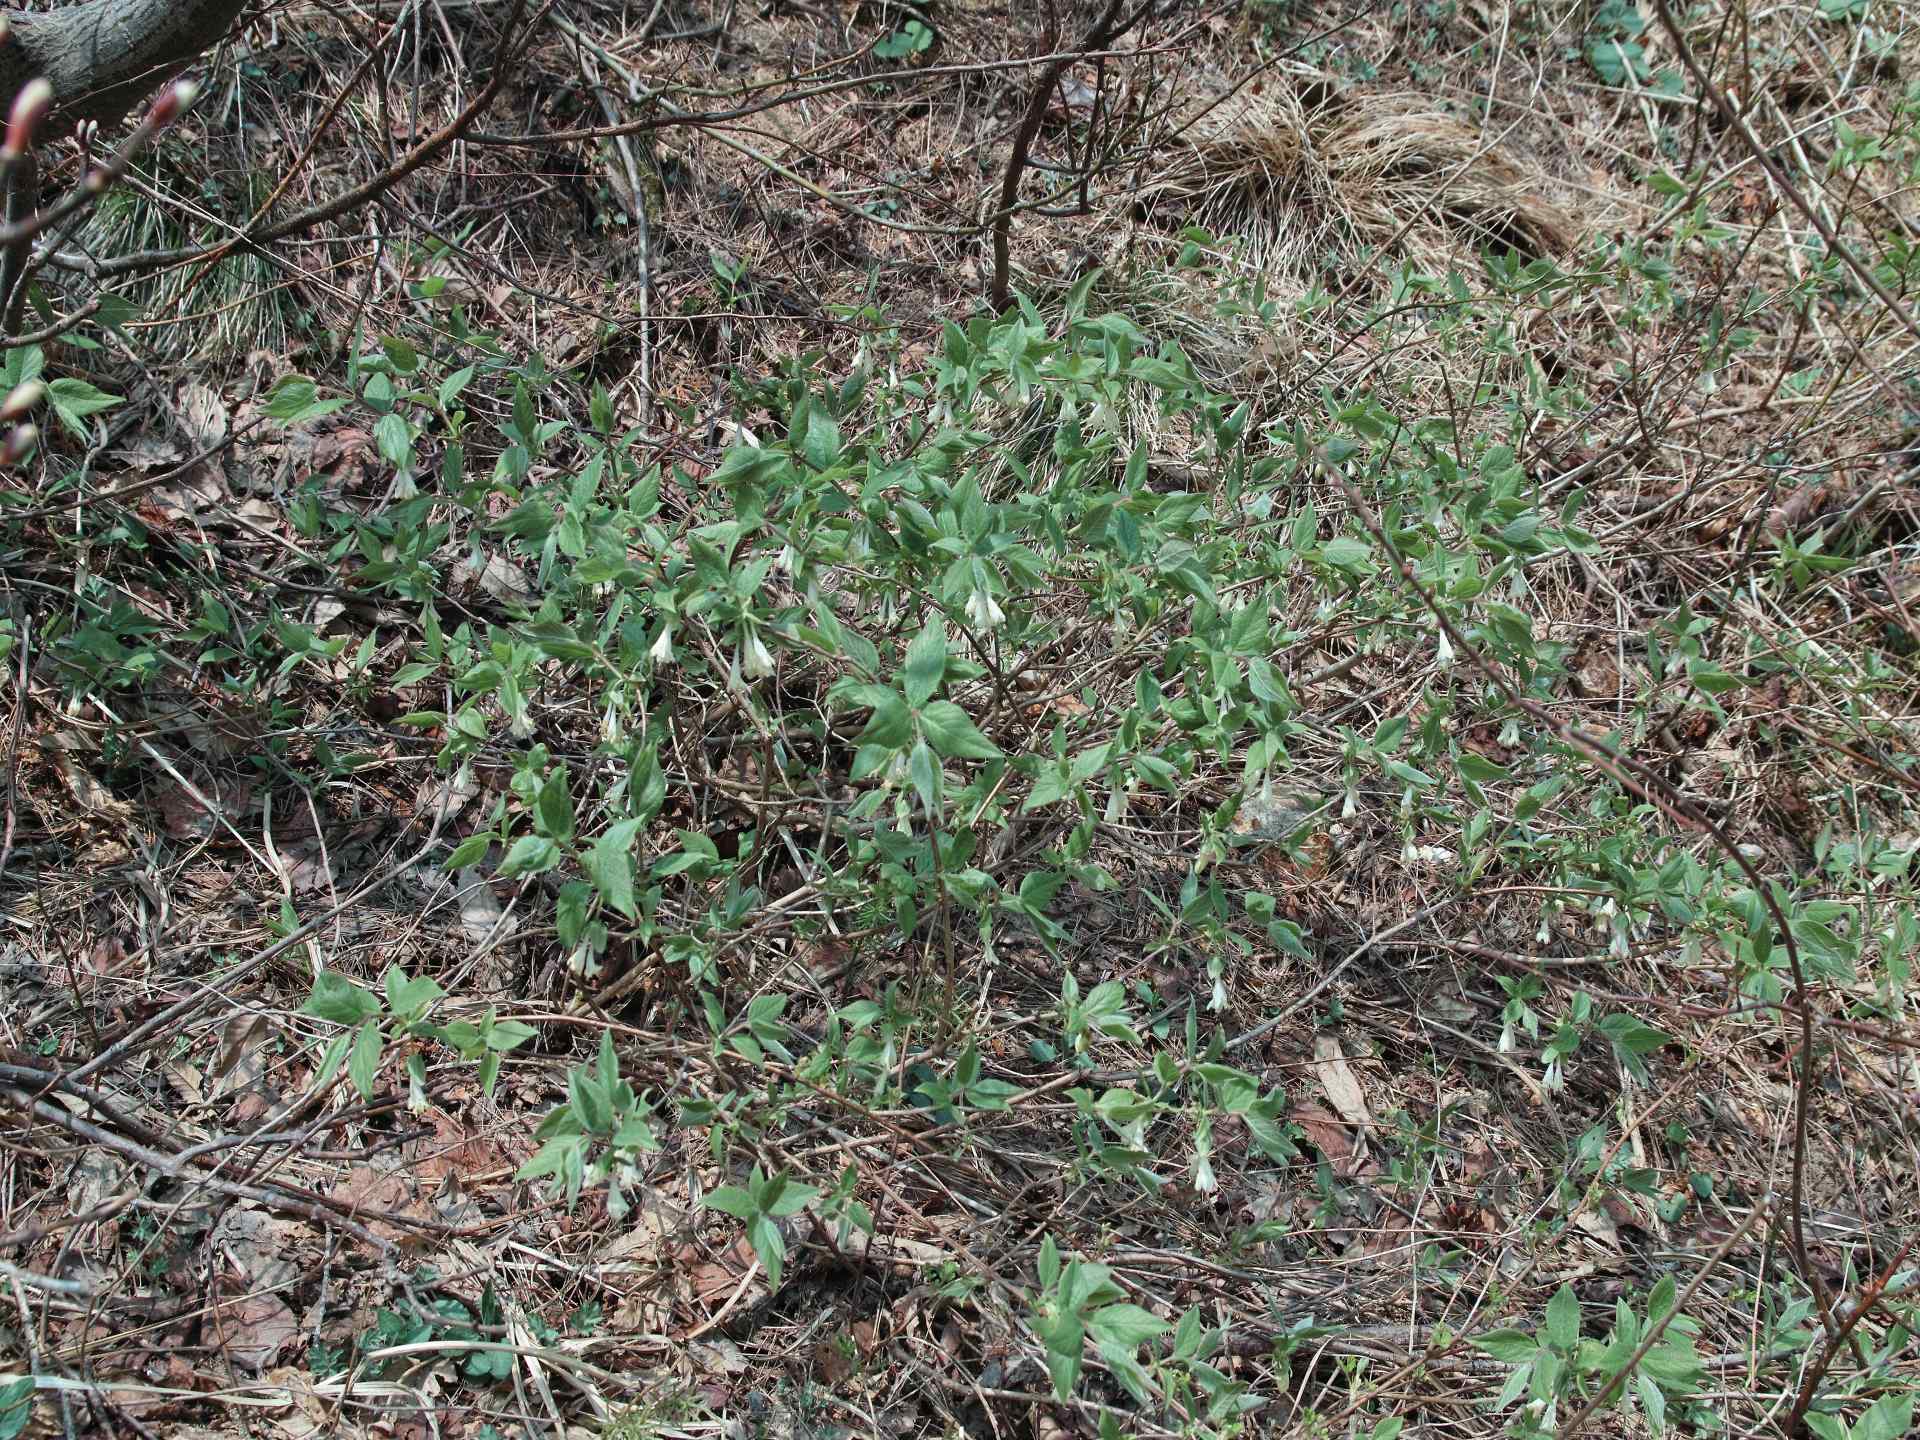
<point x="241" y="1251"/>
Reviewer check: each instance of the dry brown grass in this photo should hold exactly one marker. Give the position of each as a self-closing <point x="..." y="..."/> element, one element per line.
<point x="1333" y="171"/>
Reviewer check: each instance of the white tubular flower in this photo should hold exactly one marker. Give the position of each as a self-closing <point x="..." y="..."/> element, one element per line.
<point x="756" y="660"/>
<point x="661" y="652"/>
<point x="984" y="612"/>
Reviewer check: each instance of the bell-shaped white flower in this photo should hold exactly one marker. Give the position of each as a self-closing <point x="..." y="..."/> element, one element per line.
<point x="984" y="612"/>
<point x="661" y="652"/>
<point x="756" y="660"/>
<point x="1204" y="1180"/>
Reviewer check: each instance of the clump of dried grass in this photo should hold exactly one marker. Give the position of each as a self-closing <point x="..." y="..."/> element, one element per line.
<point x="1396" y="158"/>
<point x="1333" y="173"/>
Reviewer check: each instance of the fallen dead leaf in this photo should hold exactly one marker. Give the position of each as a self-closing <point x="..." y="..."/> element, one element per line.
<point x="242" y="1052"/>
<point x="480" y="908"/>
<point x="63" y="752"/>
<point x="1599" y="1226"/>
<point x="254" y="1330"/>
<point x="498" y="577"/>
<point x="97" y="1175"/>
<point x="1336" y="1144"/>
<point x="1341" y="1084"/>
<point x="205" y="414"/>
<point x="374" y="1195"/>
<point x="833" y="1358"/>
<point x="265" y="1249"/>
<point x="306" y="1414"/>
<point x="189" y="497"/>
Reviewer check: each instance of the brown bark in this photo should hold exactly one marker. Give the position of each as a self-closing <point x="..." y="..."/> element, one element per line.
<point x="103" y="57"/>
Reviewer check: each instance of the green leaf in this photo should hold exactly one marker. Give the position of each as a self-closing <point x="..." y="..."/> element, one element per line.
<point x="590" y="1101"/>
<point x="338" y="999"/>
<point x="363" y="1064"/>
<point x="16" y="1406"/>
<point x="1632" y="1040"/>
<point x="1548" y="1368"/>
<point x="550" y="1158"/>
<point x="1063" y="1354"/>
<point x="1156" y="771"/>
<point x="910" y="40"/>
<point x="453" y="385"/>
<point x="21" y="364"/>
<point x="1264" y="682"/>
<point x="530" y="855"/>
<point x="74" y="400"/>
<point x="1711" y="679"/>
<point x="1518" y="1380"/>
<point x="294" y="398"/>
<point x="892" y="721"/>
<point x="1125" y="1327"/>
<point x="1512" y="1346"/>
<point x="792" y="1199"/>
<point x="821" y="445"/>
<point x="508" y="1034"/>
<point x="954" y="735"/>
<point x="1655" y="1401"/>
<point x="926" y="664"/>
<point x="1563" y="1319"/>
<point x="1345" y="552"/>
<point x="393" y="439"/>
<point x="1660" y="1299"/>
<point x="1038" y="888"/>
<point x="555" y="807"/>
<point x="924" y="771"/>
<point x="1274" y="1138"/>
<point x="732" y="1200"/>
<point x="410" y="996"/>
<point x="469" y="850"/>
<point x="1889" y="1418"/>
<point x="769" y="1244"/>
<point x="1674" y="1364"/>
<point x="330" y="1061"/>
<point x="609" y="864"/>
<point x="1479" y="769"/>
<point x="634" y="1133"/>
